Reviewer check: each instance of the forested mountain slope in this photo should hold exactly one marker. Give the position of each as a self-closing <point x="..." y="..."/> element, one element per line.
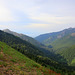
<point x="19" y="44"/>
<point x="31" y="40"/>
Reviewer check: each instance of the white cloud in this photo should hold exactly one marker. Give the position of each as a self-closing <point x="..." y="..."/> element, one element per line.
<point x="11" y="27"/>
<point x="53" y="19"/>
<point x="37" y="10"/>
<point x="34" y="12"/>
<point x="5" y="13"/>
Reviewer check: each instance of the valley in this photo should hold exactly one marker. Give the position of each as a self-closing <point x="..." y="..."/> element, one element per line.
<point x="58" y="57"/>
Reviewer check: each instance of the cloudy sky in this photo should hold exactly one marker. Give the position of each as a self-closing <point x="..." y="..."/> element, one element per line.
<point x="35" y="17"/>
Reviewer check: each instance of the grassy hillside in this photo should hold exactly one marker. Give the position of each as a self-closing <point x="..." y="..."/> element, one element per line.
<point x="64" y="42"/>
<point x="13" y="62"/>
<point x="68" y="53"/>
<point x="73" y="62"/>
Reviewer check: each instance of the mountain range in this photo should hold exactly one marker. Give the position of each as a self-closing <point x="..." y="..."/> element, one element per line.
<point x="30" y="40"/>
<point x="53" y="44"/>
<point x="55" y="51"/>
<point x="62" y="42"/>
<point x="24" y="37"/>
<point x="49" y="38"/>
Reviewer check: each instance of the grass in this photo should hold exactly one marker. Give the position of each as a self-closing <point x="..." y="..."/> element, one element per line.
<point x="3" y="63"/>
<point x="73" y="62"/>
<point x="68" y="54"/>
<point x="63" y="42"/>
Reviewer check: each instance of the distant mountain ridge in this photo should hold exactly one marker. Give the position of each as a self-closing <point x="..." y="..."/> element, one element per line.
<point x="48" y="38"/>
<point x="24" y="37"/>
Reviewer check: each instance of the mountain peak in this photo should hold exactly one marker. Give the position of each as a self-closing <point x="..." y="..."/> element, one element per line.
<point x="70" y="28"/>
<point x="6" y="30"/>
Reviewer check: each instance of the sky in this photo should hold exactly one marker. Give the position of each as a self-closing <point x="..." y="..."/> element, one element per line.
<point x="35" y="17"/>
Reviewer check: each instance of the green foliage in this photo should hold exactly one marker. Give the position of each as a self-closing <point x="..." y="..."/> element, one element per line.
<point x="13" y="60"/>
<point x="3" y="63"/>
<point x="73" y="62"/>
<point x="1" y="56"/>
